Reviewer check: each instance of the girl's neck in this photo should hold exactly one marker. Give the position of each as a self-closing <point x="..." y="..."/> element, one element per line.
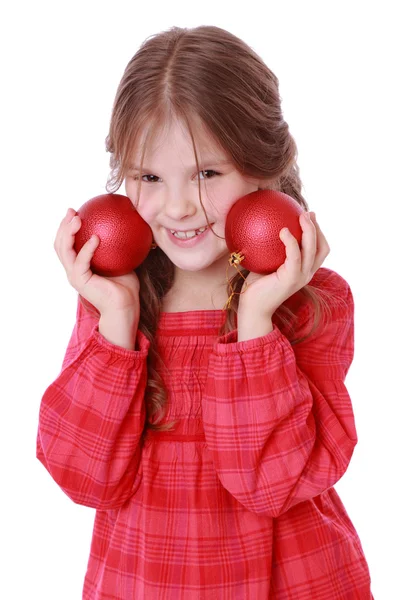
<point x="187" y="299"/>
<point x="198" y="290"/>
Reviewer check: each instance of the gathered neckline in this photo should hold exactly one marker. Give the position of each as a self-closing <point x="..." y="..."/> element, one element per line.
<point x="200" y="310"/>
<point x="207" y="320"/>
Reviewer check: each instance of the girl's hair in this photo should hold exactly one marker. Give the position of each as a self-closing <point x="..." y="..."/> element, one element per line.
<point x="209" y="76"/>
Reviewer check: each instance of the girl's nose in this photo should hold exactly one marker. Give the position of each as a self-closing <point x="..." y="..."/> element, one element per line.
<point x="179" y="206"/>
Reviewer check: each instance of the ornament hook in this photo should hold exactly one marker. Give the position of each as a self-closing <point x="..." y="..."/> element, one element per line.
<point x="235" y="259"/>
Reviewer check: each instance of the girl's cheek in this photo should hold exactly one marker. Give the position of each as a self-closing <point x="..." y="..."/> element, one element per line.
<point x="139" y="203"/>
<point x="223" y="207"/>
<point x="147" y="210"/>
<point x="146" y="216"/>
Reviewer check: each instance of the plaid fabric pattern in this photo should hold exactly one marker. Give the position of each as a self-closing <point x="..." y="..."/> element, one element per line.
<point x="237" y="502"/>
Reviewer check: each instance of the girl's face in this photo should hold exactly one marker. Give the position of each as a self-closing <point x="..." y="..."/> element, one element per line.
<point x="169" y="196"/>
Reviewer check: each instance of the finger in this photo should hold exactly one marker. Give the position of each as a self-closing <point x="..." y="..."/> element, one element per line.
<point x="66" y="236"/>
<point x="68" y="216"/>
<point x="66" y="219"/>
<point x="67" y="253"/>
<point x="72" y="260"/>
<point x="82" y="272"/>
<point x="293" y="252"/>
<point x="308" y="244"/>
<point x="323" y="248"/>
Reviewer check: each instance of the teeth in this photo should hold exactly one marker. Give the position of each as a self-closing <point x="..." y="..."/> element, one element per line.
<point x="183" y="235"/>
<point x="188" y="234"/>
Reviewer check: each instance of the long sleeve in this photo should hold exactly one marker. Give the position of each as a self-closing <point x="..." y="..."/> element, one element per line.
<point x="278" y="418"/>
<point x="92" y="416"/>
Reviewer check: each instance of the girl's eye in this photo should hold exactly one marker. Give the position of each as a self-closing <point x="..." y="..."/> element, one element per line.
<point x="136" y="177"/>
<point x="210" y="171"/>
<point x="151" y="176"/>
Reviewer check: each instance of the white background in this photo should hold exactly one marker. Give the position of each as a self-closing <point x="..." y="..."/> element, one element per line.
<point x="60" y="67"/>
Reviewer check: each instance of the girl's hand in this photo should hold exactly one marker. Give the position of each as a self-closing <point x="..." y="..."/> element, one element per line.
<point x="265" y="293"/>
<point x="107" y="294"/>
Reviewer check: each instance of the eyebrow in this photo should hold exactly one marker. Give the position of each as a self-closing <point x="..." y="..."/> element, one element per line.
<point x="208" y="161"/>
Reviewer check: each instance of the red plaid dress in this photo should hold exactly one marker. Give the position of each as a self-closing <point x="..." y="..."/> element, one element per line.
<point x="237" y="502"/>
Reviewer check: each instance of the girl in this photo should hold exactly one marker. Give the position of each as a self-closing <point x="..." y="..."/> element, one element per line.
<point x="207" y="434"/>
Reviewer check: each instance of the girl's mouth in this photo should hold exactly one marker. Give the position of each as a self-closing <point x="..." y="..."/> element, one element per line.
<point x="189" y="242"/>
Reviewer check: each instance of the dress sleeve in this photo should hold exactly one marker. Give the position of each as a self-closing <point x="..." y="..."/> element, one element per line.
<point x="92" y="416"/>
<point x="278" y="418"/>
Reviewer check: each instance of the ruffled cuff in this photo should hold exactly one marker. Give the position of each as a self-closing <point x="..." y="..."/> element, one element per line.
<point x="228" y="344"/>
<point x="141" y="341"/>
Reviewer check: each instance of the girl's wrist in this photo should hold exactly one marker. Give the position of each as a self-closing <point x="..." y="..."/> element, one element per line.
<point x="127" y="314"/>
<point x="252" y="325"/>
<point x="120" y="328"/>
<point x="247" y="307"/>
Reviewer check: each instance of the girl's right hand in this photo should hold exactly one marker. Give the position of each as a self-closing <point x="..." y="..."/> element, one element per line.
<point x="107" y="294"/>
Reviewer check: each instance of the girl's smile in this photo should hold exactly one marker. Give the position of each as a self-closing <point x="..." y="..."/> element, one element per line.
<point x="188" y="242"/>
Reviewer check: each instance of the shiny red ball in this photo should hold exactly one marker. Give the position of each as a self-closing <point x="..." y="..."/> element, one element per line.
<point x="125" y="238"/>
<point x="253" y="225"/>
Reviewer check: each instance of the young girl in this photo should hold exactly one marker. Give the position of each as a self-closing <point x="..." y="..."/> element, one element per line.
<point x="200" y="409"/>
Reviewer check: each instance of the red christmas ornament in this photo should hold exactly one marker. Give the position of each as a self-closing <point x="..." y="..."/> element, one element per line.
<point x="252" y="230"/>
<point x="125" y="238"/>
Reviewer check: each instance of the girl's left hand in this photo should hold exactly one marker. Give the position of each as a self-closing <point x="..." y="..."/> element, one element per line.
<point x="265" y="293"/>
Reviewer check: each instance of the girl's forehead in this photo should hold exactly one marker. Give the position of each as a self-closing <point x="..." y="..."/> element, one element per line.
<point x="159" y="136"/>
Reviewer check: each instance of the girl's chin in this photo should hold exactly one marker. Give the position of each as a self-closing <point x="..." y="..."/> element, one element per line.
<point x="195" y="264"/>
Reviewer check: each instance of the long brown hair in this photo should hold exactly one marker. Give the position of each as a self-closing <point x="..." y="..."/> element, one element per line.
<point x="203" y="74"/>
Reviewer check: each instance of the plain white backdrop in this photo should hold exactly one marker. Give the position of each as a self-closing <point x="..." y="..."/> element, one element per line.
<point x="61" y="63"/>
